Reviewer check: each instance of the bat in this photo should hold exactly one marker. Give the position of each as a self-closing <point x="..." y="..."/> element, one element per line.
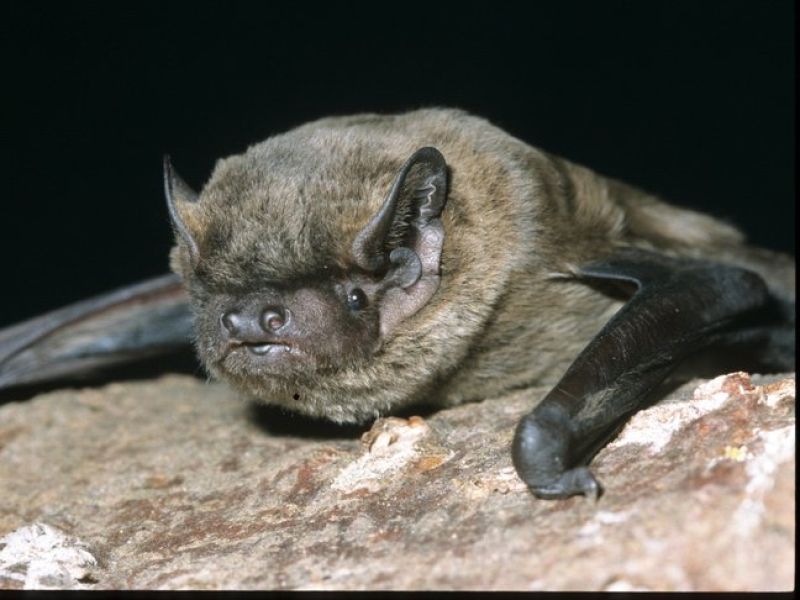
<point x="355" y="266"/>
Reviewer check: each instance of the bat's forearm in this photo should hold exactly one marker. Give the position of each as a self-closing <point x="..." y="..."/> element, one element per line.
<point x="681" y="306"/>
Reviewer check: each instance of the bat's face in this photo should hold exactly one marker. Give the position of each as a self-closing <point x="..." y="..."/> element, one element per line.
<point x="295" y="276"/>
<point x="288" y="331"/>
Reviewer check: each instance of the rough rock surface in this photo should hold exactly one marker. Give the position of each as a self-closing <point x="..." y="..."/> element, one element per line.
<point x="174" y="483"/>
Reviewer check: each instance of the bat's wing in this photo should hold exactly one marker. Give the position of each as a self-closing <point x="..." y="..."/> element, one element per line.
<point x="127" y="324"/>
<point x="681" y="306"/>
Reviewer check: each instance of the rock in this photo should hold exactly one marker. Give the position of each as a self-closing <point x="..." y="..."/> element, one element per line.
<point x="174" y="483"/>
<point x="42" y="557"/>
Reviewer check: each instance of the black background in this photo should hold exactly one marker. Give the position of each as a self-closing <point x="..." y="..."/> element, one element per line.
<point x="691" y="100"/>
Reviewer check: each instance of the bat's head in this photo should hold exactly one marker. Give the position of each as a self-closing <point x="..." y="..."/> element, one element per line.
<point x="302" y="259"/>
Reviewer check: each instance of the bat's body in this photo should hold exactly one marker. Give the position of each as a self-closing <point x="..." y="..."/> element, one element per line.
<point x="357" y="265"/>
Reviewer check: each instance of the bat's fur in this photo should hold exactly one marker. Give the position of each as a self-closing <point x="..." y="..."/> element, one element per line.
<point x="517" y="221"/>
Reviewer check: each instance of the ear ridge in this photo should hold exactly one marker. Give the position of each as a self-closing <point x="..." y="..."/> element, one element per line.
<point x="432" y="195"/>
<point x="180" y="198"/>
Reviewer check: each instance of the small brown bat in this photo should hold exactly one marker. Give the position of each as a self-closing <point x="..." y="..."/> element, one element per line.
<point x="357" y="265"/>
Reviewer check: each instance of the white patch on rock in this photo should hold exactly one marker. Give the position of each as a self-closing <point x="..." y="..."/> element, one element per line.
<point x="654" y="427"/>
<point x="481" y="485"/>
<point x="591" y="533"/>
<point x="779" y="447"/>
<point x="622" y="585"/>
<point x="389" y="445"/>
<point x="776" y="392"/>
<point x="44" y="557"/>
<point x="507" y="480"/>
<point x="201" y="579"/>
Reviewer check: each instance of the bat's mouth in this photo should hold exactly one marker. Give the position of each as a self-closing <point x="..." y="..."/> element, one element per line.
<point x="259" y="358"/>
<point x="258" y="347"/>
<point x="262" y="352"/>
<point x="267" y="348"/>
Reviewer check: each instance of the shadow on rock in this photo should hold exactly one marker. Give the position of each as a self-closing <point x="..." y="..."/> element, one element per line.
<point x="277" y="421"/>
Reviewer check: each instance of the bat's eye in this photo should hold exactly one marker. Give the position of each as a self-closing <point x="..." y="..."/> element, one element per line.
<point x="356" y="299"/>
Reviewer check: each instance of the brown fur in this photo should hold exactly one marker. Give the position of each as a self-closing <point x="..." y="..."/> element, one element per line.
<point x="518" y="221"/>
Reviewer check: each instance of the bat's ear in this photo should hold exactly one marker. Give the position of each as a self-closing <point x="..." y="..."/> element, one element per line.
<point x="404" y="238"/>
<point x="180" y="203"/>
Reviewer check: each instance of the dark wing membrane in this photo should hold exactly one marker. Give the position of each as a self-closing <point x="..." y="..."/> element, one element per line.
<point x="125" y="325"/>
<point x="682" y="306"/>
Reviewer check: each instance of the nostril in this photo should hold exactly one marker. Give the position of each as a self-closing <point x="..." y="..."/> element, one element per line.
<point x="232" y="322"/>
<point x="272" y="319"/>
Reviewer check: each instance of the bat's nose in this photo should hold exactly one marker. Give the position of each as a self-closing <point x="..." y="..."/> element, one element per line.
<point x="273" y="319"/>
<point x="255" y="326"/>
